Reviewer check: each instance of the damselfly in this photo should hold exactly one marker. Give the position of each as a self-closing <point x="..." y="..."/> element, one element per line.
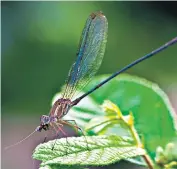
<point x="89" y="57"/>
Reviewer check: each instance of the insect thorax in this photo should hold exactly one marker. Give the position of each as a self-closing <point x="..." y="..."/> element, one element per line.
<point x="60" y="108"/>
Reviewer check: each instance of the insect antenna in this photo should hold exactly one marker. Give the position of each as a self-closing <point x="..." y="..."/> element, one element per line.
<point x="19" y="142"/>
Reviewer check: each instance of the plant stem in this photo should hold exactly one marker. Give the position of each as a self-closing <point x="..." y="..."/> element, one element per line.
<point x="135" y="135"/>
<point x="129" y="122"/>
<point x="170" y="165"/>
<point x="148" y="161"/>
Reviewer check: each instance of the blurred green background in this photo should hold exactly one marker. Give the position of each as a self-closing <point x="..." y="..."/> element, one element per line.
<point x="39" y="44"/>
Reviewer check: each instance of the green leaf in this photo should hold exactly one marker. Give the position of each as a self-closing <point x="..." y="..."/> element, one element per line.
<point x="102" y="125"/>
<point x="153" y="113"/>
<point x="46" y="167"/>
<point x="55" y="166"/>
<point x="138" y="161"/>
<point x="87" y="151"/>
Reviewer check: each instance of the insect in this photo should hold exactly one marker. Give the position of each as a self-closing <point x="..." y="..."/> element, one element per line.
<point x="89" y="57"/>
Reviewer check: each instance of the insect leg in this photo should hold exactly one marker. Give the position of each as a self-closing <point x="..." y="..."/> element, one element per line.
<point x="64" y="133"/>
<point x="56" y="133"/>
<point x="77" y="127"/>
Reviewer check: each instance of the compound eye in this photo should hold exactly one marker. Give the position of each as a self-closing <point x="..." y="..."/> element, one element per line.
<point x="45" y="119"/>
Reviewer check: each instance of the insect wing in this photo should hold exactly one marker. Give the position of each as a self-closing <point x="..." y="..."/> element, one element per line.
<point x="90" y="54"/>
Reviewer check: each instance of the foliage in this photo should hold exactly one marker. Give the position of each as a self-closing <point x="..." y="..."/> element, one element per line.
<point x="88" y="150"/>
<point x="167" y="157"/>
<point x="142" y="119"/>
<point x="153" y="114"/>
